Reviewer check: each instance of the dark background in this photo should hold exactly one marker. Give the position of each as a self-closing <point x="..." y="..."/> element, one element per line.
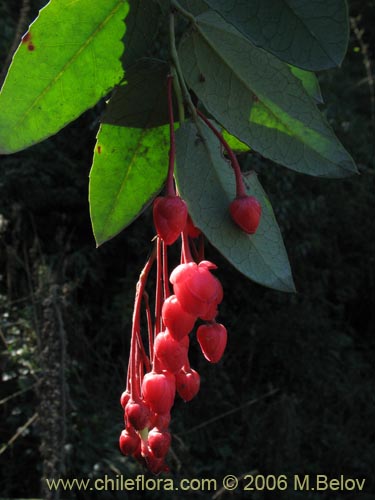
<point x="294" y="393"/>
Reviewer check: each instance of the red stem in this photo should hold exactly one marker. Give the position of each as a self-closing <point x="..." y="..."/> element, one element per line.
<point x="136" y="326"/>
<point x="149" y="326"/>
<point x="185" y="251"/>
<point x="159" y="290"/>
<point x="240" y="186"/>
<point x="172" y="147"/>
<point x="165" y="272"/>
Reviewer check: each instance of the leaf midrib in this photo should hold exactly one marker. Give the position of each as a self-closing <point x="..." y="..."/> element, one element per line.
<point x="69" y="63"/>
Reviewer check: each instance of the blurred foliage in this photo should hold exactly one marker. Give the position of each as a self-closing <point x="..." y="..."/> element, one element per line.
<point x="295" y="390"/>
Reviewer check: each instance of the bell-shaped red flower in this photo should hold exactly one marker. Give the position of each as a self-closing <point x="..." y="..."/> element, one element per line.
<point x="187" y="384"/>
<point x="212" y="339"/>
<point x="161" y="421"/>
<point x="129" y="441"/>
<point x="171" y="353"/>
<point x="137" y="414"/>
<point x="170" y="214"/>
<point x="192" y="230"/>
<point x="176" y="319"/>
<point x="196" y="288"/>
<point x="246" y="212"/>
<point x="159" y="442"/>
<point x="125" y="396"/>
<point x="158" y="390"/>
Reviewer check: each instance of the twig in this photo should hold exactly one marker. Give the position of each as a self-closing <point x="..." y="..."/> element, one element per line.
<point x="18" y="433"/>
<point x="15" y="394"/>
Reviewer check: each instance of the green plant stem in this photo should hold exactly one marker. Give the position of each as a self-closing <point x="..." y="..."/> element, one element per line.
<point x="172" y="143"/>
<point x="183" y="11"/>
<point x="178" y="94"/>
<point x="176" y="64"/>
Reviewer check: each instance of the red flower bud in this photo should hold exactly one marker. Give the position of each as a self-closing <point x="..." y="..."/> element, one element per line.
<point x="125" y="396"/>
<point x="158" y="390"/>
<point x="159" y="442"/>
<point x="213" y="339"/>
<point x="170" y="213"/>
<point x="161" y="421"/>
<point x="129" y="441"/>
<point x="246" y="212"/>
<point x="192" y="230"/>
<point x="196" y="288"/>
<point x="137" y="414"/>
<point x="178" y="321"/>
<point x="171" y="353"/>
<point x="187" y="384"/>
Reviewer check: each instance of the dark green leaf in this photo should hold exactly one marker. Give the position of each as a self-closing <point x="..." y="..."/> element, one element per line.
<point x="195" y="7"/>
<point x="256" y="98"/>
<point x="69" y="59"/>
<point x="312" y="35"/>
<point x="206" y="181"/>
<point x="139" y="103"/>
<point x="129" y="169"/>
<point x="142" y="25"/>
<point x="309" y="81"/>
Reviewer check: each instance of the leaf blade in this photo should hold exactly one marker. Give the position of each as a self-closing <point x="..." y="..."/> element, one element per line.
<point x="129" y="169"/>
<point x="68" y="60"/>
<point x="261" y="102"/>
<point x="311" y="35"/>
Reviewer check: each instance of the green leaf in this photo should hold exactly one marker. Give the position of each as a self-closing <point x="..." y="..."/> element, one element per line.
<point x="309" y="82"/>
<point x="129" y="168"/>
<point x="142" y="25"/>
<point x="139" y="104"/>
<point x="206" y="181"/>
<point x="312" y="35"/>
<point x="255" y="97"/>
<point x="236" y="145"/>
<point x="195" y="7"/>
<point x="68" y="60"/>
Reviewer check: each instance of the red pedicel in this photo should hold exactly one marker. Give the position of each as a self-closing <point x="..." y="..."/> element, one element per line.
<point x="158" y="390"/>
<point x="246" y="212"/>
<point x="170" y="214"/>
<point x="179" y="322"/>
<point x="213" y="339"/>
<point x="187" y="384"/>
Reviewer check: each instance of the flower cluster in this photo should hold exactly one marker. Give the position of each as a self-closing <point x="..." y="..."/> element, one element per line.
<point x="158" y="373"/>
<point x="154" y="379"/>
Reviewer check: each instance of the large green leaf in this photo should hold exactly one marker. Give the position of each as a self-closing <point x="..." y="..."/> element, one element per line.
<point x="142" y="25"/>
<point x="310" y="34"/>
<point x="67" y="61"/>
<point x="257" y="98"/>
<point x="206" y="181"/>
<point x="139" y="103"/>
<point x="130" y="166"/>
